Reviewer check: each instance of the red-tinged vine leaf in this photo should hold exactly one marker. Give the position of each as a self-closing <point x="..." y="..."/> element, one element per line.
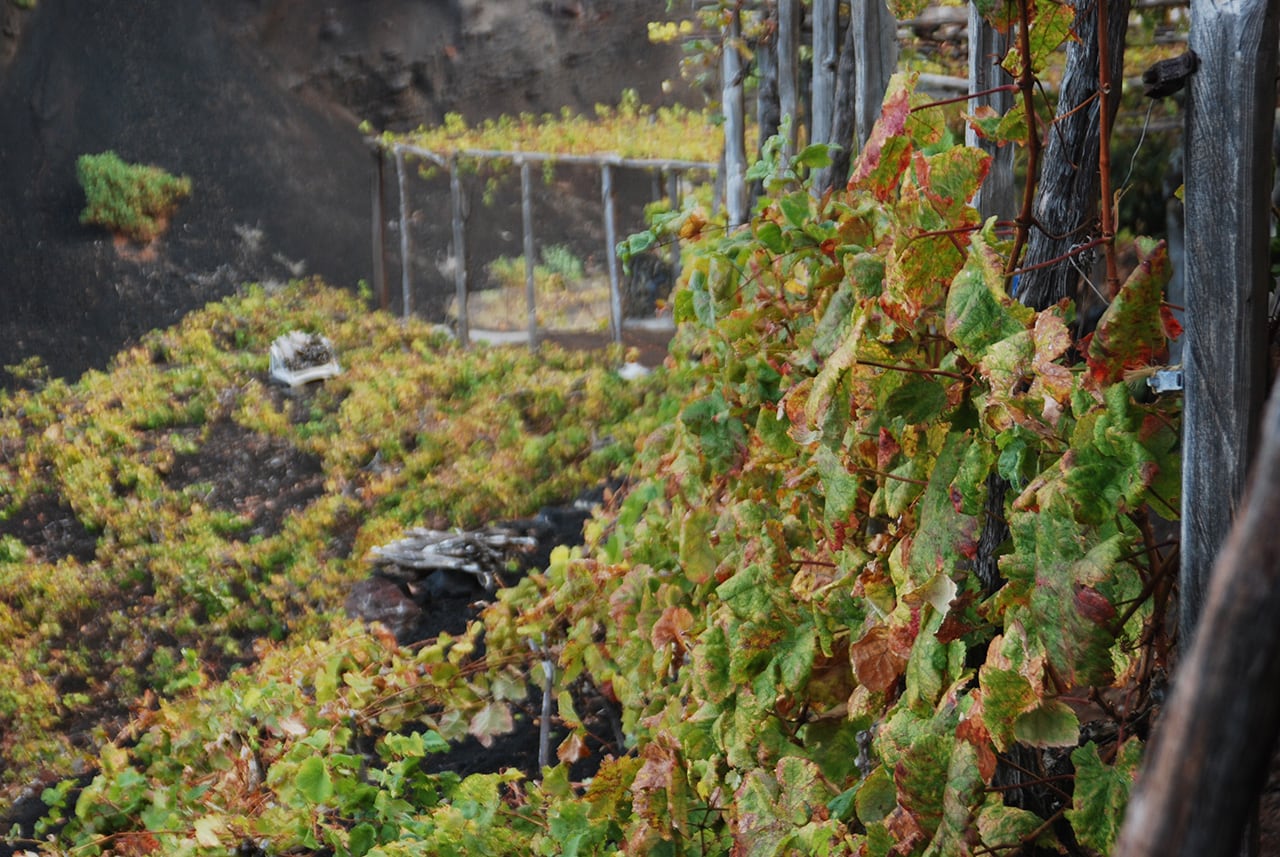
<point x="492" y="720"/>
<point x="1066" y="553"/>
<point x="1006" y="828"/>
<point x="944" y="537"/>
<point x="1108" y="469"/>
<point x="1013" y="125"/>
<point x="875" y="660"/>
<point x="949" y="180"/>
<point x="887" y="448"/>
<point x="1094" y="606"/>
<point x="671" y="627"/>
<point x="1050" y="724"/>
<point x="1102" y="793"/>
<point x="757" y="829"/>
<point x="658" y="769"/>
<point x="1172" y="327"/>
<point x="974" y="731"/>
<point x="956" y="836"/>
<point x="1131" y="333"/>
<point x="572" y="749"/>
<point x="984" y="120"/>
<point x="961" y="619"/>
<point x="979" y="313"/>
<point x="921" y="778"/>
<point x="887" y="153"/>
<point x="1053" y="382"/>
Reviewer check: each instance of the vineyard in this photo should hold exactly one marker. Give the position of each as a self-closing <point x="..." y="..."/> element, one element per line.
<point x="887" y="564"/>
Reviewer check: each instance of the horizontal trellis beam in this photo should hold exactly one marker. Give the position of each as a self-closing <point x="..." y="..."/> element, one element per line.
<point x="518" y="157"/>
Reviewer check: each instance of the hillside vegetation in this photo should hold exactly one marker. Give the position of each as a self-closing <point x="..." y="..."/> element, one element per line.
<point x="782" y="609"/>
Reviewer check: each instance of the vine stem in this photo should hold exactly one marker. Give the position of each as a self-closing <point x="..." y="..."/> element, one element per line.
<point x="1107" y="208"/>
<point x="1027" y="86"/>
<point x="969" y="96"/>
<point x="913" y="370"/>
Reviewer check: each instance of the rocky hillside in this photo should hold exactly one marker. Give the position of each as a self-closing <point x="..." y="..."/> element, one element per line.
<point x="258" y="101"/>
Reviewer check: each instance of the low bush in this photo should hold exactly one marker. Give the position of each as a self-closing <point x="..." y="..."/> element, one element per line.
<point x="134" y="200"/>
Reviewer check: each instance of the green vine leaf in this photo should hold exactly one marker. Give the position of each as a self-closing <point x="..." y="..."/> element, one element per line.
<point x="313" y="781"/>
<point x="1050" y="724"/>
<point x="1102" y="793"/>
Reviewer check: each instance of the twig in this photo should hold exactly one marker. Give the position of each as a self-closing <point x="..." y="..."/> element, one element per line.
<point x="1027" y="85"/>
<point x="1107" y="208"/>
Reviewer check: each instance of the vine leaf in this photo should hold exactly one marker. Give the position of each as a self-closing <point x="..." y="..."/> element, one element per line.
<point x="492" y="720"/>
<point x="1133" y="334"/>
<point x="876" y="661"/>
<point x="887" y="153"/>
<point x="1051" y="724"/>
<point x="1102" y="793"/>
<point x="313" y="781"/>
<point x="946" y="537"/>
<point x="1003" y="827"/>
<point x="979" y="313"/>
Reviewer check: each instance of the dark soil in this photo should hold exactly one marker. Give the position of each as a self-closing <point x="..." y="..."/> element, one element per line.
<point x="260" y="478"/>
<point x="50" y="528"/>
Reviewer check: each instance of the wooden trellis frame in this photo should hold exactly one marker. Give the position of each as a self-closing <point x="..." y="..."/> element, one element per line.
<point x="607" y="163"/>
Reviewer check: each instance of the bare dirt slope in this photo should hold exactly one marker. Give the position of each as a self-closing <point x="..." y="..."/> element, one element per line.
<point x="258" y="101"/>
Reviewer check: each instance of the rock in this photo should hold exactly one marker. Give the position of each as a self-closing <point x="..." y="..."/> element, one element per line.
<point x="379" y="599"/>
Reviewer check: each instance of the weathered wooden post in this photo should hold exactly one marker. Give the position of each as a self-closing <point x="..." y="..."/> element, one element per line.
<point x="405" y="261"/>
<point x="526" y="217"/>
<point x="843" y="116"/>
<point x="1230" y="112"/>
<point x="789" y="71"/>
<point x="611" y="251"/>
<point x="876" y="53"/>
<point x="1067" y="197"/>
<point x="987" y="47"/>
<point x="735" y="150"/>
<point x="826" y="25"/>
<point x="380" y="225"/>
<point x="459" y="251"/>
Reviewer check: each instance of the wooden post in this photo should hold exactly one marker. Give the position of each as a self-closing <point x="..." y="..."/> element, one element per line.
<point x="877" y="54"/>
<point x="380" y="227"/>
<point x="998" y="196"/>
<point x="526" y="217"/>
<point x="1227" y="176"/>
<point x="459" y="252"/>
<point x="735" y="151"/>
<point x="406" y="263"/>
<point x="789" y="71"/>
<point x="611" y="252"/>
<point x="1066" y="203"/>
<point x="843" y="117"/>
<point x="826" y="25"/>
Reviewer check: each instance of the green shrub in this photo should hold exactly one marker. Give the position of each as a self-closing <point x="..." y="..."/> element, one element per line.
<point x="134" y="200"/>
